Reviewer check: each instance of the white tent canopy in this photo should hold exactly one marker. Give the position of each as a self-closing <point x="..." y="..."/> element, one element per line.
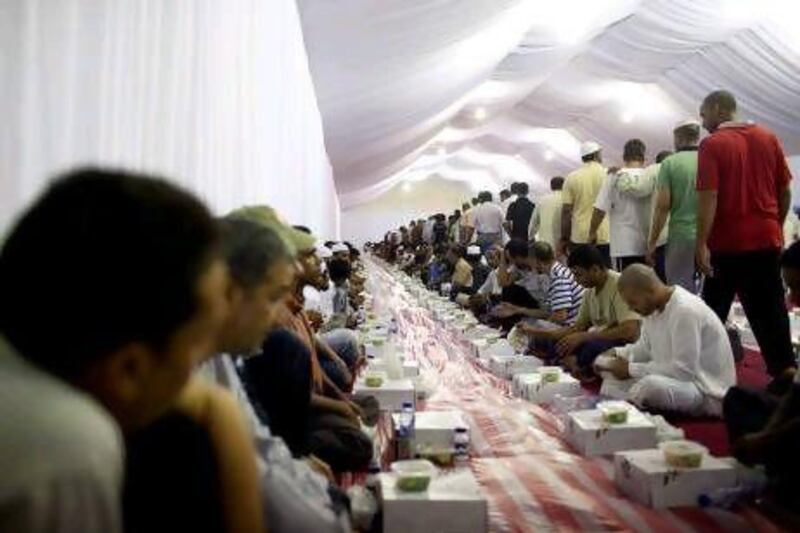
<point x="494" y="91"/>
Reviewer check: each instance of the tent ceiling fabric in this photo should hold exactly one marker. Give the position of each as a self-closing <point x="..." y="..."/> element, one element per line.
<point x="493" y="91"/>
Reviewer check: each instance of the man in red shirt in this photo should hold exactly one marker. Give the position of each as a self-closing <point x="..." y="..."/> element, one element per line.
<point x="743" y="197"/>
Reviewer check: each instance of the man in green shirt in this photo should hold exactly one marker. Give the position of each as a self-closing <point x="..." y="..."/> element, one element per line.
<point x="677" y="199"/>
<point x="604" y="320"/>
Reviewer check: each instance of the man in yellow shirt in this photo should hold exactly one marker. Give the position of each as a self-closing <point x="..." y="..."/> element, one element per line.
<point x="578" y="196"/>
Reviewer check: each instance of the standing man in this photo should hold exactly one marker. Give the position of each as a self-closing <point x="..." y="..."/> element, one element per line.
<point x="546" y="219"/>
<point x="676" y="198"/>
<point x="625" y="198"/>
<point x="487" y="219"/>
<point x="743" y="195"/>
<point x="518" y="216"/>
<point x="579" y="195"/>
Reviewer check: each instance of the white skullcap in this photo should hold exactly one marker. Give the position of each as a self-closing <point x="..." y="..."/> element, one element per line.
<point x="688" y="122"/>
<point x="324" y="252"/>
<point x="474" y="250"/>
<point x="589" y="147"/>
<point x="339" y="247"/>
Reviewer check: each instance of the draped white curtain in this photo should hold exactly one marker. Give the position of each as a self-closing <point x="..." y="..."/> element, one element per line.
<point x="214" y="94"/>
<point x="505" y="90"/>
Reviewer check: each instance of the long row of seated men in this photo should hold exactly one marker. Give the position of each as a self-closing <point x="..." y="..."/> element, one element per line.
<point x="158" y="370"/>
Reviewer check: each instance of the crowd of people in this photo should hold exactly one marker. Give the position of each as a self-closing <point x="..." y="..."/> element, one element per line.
<point x="162" y="369"/>
<point x="165" y="370"/>
<point x="625" y="276"/>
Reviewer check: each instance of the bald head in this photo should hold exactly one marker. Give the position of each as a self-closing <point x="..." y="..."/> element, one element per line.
<point x="642" y="290"/>
<point x="717" y="107"/>
<point x="724" y="100"/>
<point x="639" y="278"/>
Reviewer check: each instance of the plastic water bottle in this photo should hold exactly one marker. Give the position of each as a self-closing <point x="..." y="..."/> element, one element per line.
<point x="405" y="432"/>
<point x="729" y="497"/>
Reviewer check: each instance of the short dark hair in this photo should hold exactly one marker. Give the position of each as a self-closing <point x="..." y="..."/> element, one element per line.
<point x="791" y="256"/>
<point x="522" y="188"/>
<point x="250" y="249"/>
<point x="339" y="270"/>
<point x="485" y="196"/>
<point x="329" y="244"/>
<point x="586" y="256"/>
<point x="542" y="251"/>
<point x="722" y="99"/>
<point x="440" y="249"/>
<point x="508" y="192"/>
<point x="517" y="248"/>
<point x="662" y="155"/>
<point x="102" y="259"/>
<point x="557" y="183"/>
<point x="594" y="156"/>
<point x="687" y="135"/>
<point x="634" y="150"/>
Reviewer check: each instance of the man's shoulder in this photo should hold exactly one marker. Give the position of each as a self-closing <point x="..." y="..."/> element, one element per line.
<point x="63" y="433"/>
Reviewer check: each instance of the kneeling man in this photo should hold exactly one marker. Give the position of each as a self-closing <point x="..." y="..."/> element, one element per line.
<point x="682" y="361"/>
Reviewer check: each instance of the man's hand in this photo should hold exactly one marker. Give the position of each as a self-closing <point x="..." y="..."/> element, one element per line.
<point x="703" y="258"/>
<point x="592" y="238"/>
<point x="619" y="368"/>
<point x="320" y="467"/>
<point x="506" y="310"/>
<point x="751" y="448"/>
<point x="477" y="300"/>
<point x="315" y="317"/>
<point x="350" y="411"/>
<point x="567" y="345"/>
<point x="650" y="256"/>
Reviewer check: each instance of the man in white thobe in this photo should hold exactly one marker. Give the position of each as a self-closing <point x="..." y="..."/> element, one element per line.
<point x="682" y="361"/>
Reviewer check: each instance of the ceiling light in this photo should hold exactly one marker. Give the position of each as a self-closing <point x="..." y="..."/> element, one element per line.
<point x="480" y="113"/>
<point x="406" y="187"/>
<point x="626" y="117"/>
<point x="549" y="155"/>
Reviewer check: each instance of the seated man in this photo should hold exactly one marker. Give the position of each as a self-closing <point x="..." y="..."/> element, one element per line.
<point x="462" y="271"/>
<point x="682" y="361"/>
<point x="261" y="268"/>
<point x="490" y="291"/>
<point x="604" y="320"/>
<point x="101" y="344"/>
<point x="335" y="430"/>
<point x="438" y="268"/>
<point x="480" y="272"/>
<point x="564" y="295"/>
<point x="764" y="428"/>
<point x="522" y="286"/>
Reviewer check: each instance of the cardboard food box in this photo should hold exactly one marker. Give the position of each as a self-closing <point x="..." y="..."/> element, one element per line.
<point x="435" y="429"/>
<point x="543" y="392"/>
<point x="410" y="368"/>
<point x="591" y="436"/>
<point x="453" y="503"/>
<point x="645" y="476"/>
<point x="519" y="383"/>
<point x="390" y="395"/>
<point x="507" y="366"/>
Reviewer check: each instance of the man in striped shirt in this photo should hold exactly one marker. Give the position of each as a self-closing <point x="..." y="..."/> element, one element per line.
<point x="564" y="295"/>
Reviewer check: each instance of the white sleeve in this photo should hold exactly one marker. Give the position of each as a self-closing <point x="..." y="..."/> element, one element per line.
<point x="533" y="227"/>
<point x="603" y="201"/>
<point x="638" y="354"/>
<point x="85" y="504"/>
